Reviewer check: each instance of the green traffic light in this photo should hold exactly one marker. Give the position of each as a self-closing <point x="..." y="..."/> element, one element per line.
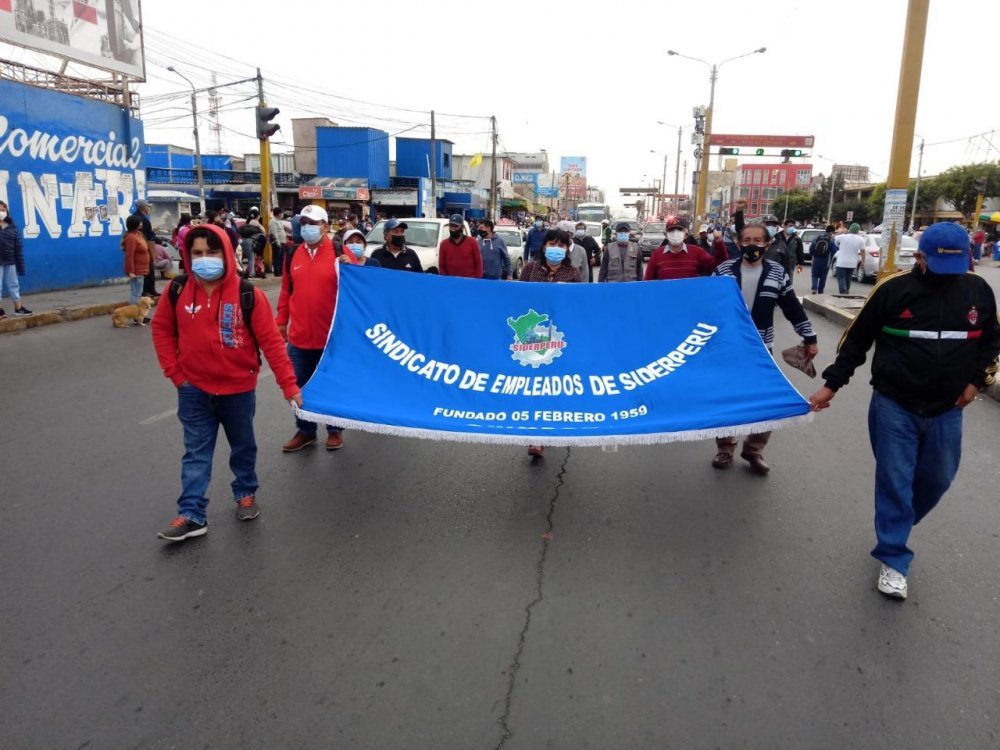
<point x="760" y="152"/>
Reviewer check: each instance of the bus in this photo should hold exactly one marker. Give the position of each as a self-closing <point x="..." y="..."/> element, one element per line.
<point x="592" y="212"/>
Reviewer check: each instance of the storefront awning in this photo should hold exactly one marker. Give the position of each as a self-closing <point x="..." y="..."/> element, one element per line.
<point x="993" y="218"/>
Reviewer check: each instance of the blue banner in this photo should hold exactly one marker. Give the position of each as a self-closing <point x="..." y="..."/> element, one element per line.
<point x="552" y="364"/>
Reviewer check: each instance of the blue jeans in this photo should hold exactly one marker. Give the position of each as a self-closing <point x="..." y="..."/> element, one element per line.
<point x="9" y="283"/>
<point x="201" y="414"/>
<point x="820" y="267"/>
<point x="916" y="459"/>
<point x="135" y="289"/>
<point x="304" y="362"/>
<point x="844" y="279"/>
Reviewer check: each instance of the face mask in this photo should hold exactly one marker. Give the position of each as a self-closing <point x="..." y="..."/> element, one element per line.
<point x="623" y="237"/>
<point x="455" y="234"/>
<point x="675" y="237"/>
<point x="538" y="225"/>
<point x="398" y="240"/>
<point x="208" y="268"/>
<point x="311" y="234"/>
<point x="3" y="216"/>
<point x="555" y="255"/>
<point x="483" y="233"/>
<point x="358" y="250"/>
<point x="790" y="230"/>
<point x="752" y="253"/>
<point x="771" y="231"/>
<point x="580" y="232"/>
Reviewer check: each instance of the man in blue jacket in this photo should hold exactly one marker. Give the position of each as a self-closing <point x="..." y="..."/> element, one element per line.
<point x="536" y="238"/>
<point x="496" y="259"/>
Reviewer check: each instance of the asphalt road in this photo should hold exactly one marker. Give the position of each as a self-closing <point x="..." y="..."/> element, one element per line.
<point x="403" y="593"/>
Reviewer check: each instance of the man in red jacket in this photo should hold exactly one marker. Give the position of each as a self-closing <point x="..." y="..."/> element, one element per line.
<point x="211" y="353"/>
<point x="675" y="259"/>
<point x="305" y="311"/>
<point x="459" y="254"/>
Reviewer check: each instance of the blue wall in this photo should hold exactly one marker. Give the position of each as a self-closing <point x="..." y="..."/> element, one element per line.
<point x="353" y="152"/>
<point x="61" y="155"/>
<point x="164" y="156"/>
<point x="412" y="158"/>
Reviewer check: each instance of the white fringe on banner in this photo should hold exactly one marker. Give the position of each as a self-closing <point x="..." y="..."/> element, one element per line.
<point x="552" y="436"/>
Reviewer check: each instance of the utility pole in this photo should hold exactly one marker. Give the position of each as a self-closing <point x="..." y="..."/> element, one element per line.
<point x="493" y="172"/>
<point x="197" y="139"/>
<point x="833" y="187"/>
<point x="677" y="176"/>
<point x="690" y="219"/>
<point x="894" y="213"/>
<point x="265" y="175"/>
<point x="434" y="171"/>
<point x="916" y="189"/>
<point x="706" y="148"/>
<point x="663" y="182"/>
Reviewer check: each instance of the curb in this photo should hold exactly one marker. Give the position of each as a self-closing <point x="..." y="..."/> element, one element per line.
<point x="12" y="324"/>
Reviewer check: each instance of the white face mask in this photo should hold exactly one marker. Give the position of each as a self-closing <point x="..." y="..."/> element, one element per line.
<point x="3" y="216"/>
<point x="675" y="236"/>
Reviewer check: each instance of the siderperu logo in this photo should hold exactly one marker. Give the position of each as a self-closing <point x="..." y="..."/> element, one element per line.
<point x="537" y="341"/>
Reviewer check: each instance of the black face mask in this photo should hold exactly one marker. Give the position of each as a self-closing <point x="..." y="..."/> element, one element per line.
<point x="397" y="241"/>
<point x="455" y="234"/>
<point x="752" y="253"/>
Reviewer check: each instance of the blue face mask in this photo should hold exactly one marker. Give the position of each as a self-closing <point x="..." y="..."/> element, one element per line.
<point x="771" y="231"/>
<point x="790" y="230"/>
<point x="358" y="250"/>
<point x="538" y="225"/>
<point x="311" y="233"/>
<point x="555" y="255"/>
<point x="208" y="268"/>
<point x="580" y="232"/>
<point x="622" y="237"/>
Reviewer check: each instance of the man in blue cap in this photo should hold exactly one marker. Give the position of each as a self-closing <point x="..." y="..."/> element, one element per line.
<point x="936" y="341"/>
<point x="394" y="253"/>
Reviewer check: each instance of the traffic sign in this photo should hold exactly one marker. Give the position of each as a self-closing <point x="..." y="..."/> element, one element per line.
<point x="762" y="141"/>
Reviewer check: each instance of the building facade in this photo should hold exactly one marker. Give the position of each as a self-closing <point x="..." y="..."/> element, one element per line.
<point x="761" y="184"/>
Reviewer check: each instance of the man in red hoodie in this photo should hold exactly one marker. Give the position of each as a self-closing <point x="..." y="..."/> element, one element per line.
<point x="459" y="255"/>
<point x="211" y="353"/>
<point x="305" y="312"/>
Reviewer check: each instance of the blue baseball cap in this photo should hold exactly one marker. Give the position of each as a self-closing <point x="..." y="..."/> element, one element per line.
<point x="946" y="248"/>
<point x="392" y="224"/>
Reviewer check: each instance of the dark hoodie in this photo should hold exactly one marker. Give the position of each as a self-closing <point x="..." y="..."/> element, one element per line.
<point x="204" y="340"/>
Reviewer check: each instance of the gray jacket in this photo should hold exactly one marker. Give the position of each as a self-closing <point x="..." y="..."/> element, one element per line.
<point x="621" y="264"/>
<point x="578" y="259"/>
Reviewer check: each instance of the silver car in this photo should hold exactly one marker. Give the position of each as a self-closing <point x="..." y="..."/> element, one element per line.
<point x="867" y="269"/>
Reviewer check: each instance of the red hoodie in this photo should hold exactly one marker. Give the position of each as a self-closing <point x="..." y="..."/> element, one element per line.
<point x="204" y="341"/>
<point x="309" y="294"/>
<point x="460" y="259"/>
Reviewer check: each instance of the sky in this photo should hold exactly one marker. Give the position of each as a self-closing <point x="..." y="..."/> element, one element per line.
<point x="580" y="79"/>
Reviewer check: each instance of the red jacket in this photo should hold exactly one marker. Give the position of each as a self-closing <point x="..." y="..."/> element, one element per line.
<point x="309" y="294"/>
<point x="460" y="259"/>
<point x="204" y="341"/>
<point x="691" y="262"/>
<point x="136" y="254"/>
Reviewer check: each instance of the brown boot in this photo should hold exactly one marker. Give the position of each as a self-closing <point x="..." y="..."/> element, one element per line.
<point x="299" y="441"/>
<point x="726" y="447"/>
<point x="757" y="463"/>
<point x="334" y="441"/>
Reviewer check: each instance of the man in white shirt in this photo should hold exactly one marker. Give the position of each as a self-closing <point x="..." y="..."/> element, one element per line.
<point x="847" y="257"/>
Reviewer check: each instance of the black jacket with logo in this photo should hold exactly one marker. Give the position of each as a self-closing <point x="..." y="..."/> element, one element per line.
<point x="407" y="260"/>
<point x="934" y="335"/>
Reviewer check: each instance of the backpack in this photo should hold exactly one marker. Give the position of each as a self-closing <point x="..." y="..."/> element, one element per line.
<point x="246" y="298"/>
<point x="821" y="247"/>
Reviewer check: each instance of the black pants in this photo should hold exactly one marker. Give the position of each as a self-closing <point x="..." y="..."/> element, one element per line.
<point x="149" y="282"/>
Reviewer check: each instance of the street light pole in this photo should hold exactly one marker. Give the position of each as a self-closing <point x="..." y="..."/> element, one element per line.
<point x="197" y="138"/>
<point x="706" y="145"/>
<point x="916" y="189"/>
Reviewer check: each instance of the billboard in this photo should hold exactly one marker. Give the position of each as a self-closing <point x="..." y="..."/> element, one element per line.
<point x="102" y="33"/>
<point x="71" y="170"/>
<point x="762" y="141"/>
<point x="525" y="178"/>
<point x="575" y="165"/>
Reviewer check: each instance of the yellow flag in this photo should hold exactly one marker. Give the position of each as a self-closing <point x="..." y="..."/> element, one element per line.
<point x="476" y="160"/>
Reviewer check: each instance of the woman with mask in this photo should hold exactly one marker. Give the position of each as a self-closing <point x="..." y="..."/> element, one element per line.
<point x="551" y="265"/>
<point x="765" y="285"/>
<point x="11" y="261"/>
<point x="354" y="243"/>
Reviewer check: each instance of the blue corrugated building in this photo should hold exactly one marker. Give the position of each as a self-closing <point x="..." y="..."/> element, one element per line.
<point x="353" y="152"/>
<point x="413" y="157"/>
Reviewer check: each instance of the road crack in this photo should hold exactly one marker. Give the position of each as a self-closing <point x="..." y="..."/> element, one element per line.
<point x="515" y="665"/>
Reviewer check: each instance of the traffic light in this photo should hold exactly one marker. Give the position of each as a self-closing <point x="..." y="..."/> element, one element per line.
<point x="760" y="152"/>
<point x="981" y="185"/>
<point x="264" y="116"/>
<point x="729" y="152"/>
<point x="786" y="152"/>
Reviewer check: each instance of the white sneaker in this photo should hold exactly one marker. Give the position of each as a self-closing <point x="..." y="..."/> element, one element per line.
<point x="891" y="582"/>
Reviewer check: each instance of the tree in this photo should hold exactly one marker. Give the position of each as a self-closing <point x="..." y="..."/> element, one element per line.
<point x="801" y="205"/>
<point x="861" y="211"/>
<point x="958" y="184"/>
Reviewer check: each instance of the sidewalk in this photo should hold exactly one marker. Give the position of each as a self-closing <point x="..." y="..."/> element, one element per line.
<point x="74" y="304"/>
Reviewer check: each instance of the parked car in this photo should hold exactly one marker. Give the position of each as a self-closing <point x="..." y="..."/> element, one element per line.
<point x="514" y="240"/>
<point x="653" y="235"/>
<point x="809" y="236"/>
<point x="423" y="236"/>
<point x="867" y="269"/>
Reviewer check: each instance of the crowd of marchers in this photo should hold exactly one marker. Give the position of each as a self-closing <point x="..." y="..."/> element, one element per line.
<point x="934" y="329"/>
